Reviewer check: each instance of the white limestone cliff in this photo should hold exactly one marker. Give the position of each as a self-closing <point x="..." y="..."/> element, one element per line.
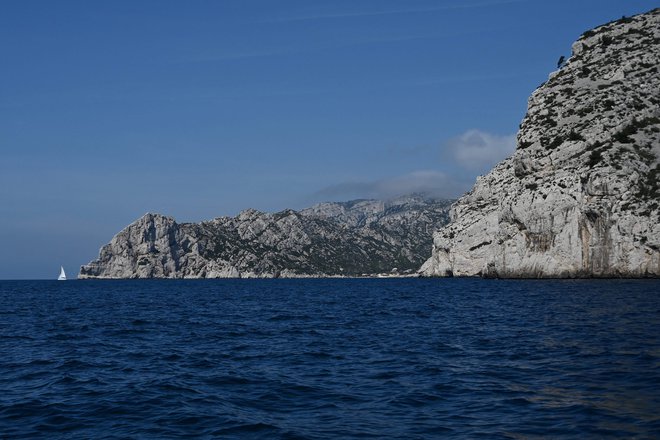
<point x="363" y="237"/>
<point x="580" y="196"/>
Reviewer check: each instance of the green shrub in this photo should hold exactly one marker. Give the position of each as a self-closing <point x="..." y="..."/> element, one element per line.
<point x="650" y="187"/>
<point x="556" y="142"/>
<point x="584" y="111"/>
<point x="574" y="136"/>
<point x="651" y="120"/>
<point x="594" y="158"/>
<point x="624" y="135"/>
<point x="624" y="20"/>
<point x="608" y="104"/>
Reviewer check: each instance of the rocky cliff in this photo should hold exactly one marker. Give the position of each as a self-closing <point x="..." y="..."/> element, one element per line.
<point x="363" y="237"/>
<point x="579" y="197"/>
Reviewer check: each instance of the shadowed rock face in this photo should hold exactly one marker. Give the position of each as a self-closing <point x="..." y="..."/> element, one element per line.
<point x="580" y="196"/>
<point x="363" y="237"/>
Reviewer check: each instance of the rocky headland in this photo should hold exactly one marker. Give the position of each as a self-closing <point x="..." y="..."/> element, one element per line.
<point x="580" y="196"/>
<point x="358" y="238"/>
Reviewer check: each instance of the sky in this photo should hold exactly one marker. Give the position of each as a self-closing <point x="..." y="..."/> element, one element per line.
<point x="198" y="109"/>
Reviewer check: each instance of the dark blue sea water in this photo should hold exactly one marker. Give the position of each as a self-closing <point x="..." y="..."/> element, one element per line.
<point x="313" y="359"/>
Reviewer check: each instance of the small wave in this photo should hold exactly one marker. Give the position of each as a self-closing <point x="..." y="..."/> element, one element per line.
<point x="254" y="428"/>
<point x="456" y="359"/>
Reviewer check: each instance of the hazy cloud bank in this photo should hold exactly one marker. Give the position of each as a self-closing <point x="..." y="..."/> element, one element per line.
<point x="467" y="155"/>
<point x="431" y="182"/>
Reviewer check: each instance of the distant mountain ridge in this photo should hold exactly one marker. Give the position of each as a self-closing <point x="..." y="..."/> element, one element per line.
<point x="356" y="238"/>
<point x="581" y="195"/>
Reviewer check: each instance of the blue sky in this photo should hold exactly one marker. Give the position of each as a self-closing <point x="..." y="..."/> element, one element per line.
<point x="198" y="109"/>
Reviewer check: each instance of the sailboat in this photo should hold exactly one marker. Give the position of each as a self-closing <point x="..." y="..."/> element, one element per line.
<point x="62" y="276"/>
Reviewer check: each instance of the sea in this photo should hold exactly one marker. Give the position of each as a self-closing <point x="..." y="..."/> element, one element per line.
<point x="330" y="359"/>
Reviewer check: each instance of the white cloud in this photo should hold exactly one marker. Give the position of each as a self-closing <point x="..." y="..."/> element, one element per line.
<point x="476" y="150"/>
<point x="471" y="153"/>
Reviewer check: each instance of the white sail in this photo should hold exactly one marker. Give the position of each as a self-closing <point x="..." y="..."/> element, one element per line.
<point x="62" y="276"/>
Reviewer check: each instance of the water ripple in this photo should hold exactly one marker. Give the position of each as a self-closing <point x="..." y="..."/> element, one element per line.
<point x="314" y="359"/>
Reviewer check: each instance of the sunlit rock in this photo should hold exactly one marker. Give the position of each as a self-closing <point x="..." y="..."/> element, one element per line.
<point x="580" y="196"/>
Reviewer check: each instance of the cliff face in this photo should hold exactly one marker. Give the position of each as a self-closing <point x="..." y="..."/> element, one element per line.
<point x="363" y="237"/>
<point x="579" y="197"/>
